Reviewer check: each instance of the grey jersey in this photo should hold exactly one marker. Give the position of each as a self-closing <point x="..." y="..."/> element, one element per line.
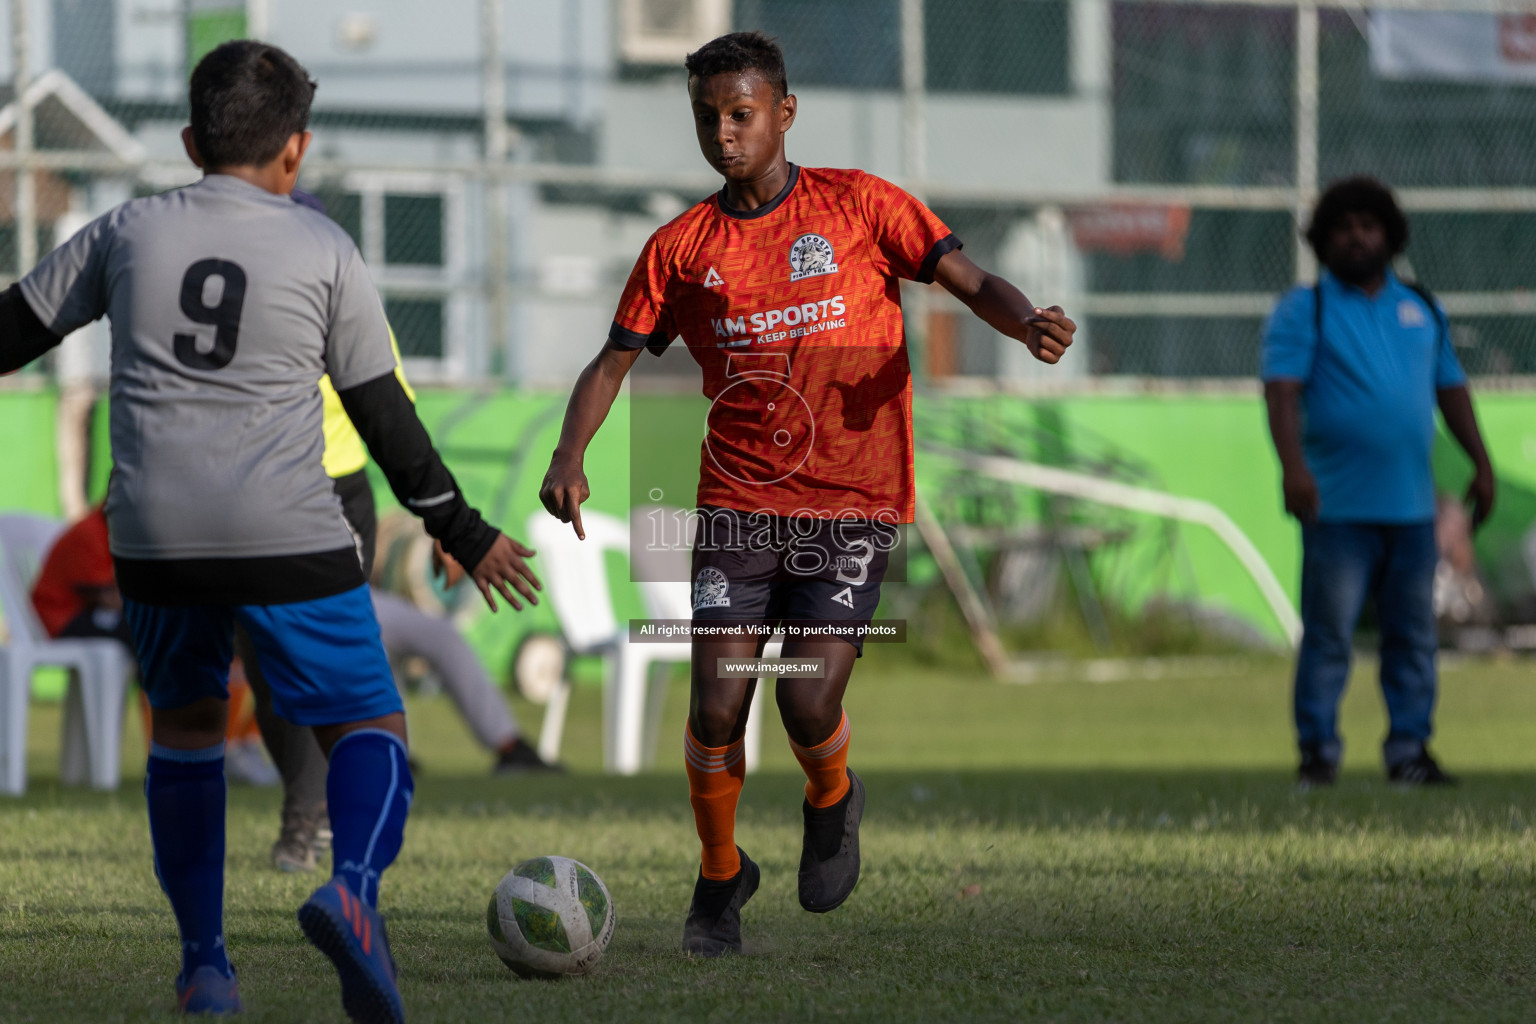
<point x="227" y="303"/>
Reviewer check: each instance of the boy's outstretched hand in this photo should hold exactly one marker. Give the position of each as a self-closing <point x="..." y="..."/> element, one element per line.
<point x="503" y="565"/>
<point x="1050" y="333"/>
<point x="1045" y="330"/>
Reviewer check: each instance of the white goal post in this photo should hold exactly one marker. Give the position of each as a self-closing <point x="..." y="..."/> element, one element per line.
<point x="1139" y="499"/>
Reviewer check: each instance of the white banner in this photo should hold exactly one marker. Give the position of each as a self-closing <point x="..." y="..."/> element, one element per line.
<point x="1454" y="47"/>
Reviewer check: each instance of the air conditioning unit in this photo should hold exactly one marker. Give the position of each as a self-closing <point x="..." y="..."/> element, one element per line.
<point x="666" y="31"/>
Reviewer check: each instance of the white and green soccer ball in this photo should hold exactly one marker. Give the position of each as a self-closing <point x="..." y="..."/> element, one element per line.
<point x="551" y="916"/>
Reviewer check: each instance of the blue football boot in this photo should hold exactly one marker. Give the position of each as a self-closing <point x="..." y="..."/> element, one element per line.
<point x="209" y="990"/>
<point x="351" y="933"/>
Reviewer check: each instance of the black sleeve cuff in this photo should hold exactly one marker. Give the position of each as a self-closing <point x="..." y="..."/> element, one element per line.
<point x="23" y="337"/>
<point x="657" y="341"/>
<point x="949" y="243"/>
<point x="468" y="550"/>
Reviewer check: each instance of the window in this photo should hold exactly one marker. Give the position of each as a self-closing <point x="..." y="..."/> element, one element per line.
<point x="345" y="208"/>
<point x="998" y="46"/>
<point x="413" y="230"/>
<point x="849" y="43"/>
<point x="418" y="325"/>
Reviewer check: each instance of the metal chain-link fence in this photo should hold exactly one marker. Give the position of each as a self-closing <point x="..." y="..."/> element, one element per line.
<point x="500" y="162"/>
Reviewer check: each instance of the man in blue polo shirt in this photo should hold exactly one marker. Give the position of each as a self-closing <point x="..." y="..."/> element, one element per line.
<point x="1353" y="369"/>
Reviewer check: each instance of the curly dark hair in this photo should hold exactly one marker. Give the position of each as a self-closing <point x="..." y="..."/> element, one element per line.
<point x="737" y="52"/>
<point x="1360" y="194"/>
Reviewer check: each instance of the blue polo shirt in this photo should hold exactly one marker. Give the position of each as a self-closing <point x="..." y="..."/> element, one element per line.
<point x="1368" y="395"/>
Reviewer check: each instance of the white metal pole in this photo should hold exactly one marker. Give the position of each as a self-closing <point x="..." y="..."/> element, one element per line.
<point x="1306" y="130"/>
<point x="26" y="184"/>
<point x="494" y="91"/>
<point x="977" y="615"/>
<point x="914" y="155"/>
<point x="914" y="126"/>
<point x="258" y="19"/>
<point x="1141" y="499"/>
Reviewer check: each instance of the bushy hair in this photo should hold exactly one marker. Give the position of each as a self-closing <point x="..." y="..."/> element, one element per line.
<point x="248" y="99"/>
<point x="1357" y="195"/>
<point x="738" y="52"/>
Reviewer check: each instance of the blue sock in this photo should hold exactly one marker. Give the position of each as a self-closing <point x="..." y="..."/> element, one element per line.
<point x="368" y="794"/>
<point x="186" y="795"/>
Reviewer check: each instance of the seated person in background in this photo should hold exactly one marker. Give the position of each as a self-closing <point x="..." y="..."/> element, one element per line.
<point x="410" y="632"/>
<point x="76" y="591"/>
<point x="76" y="596"/>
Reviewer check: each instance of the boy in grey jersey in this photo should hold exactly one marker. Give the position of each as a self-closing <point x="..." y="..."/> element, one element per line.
<point x="214" y="365"/>
<point x="228" y="302"/>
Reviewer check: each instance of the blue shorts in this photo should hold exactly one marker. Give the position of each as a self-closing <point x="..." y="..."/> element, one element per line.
<point x="323" y="659"/>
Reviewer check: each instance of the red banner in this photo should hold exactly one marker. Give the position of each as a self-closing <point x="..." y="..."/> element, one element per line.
<point x="1126" y="229"/>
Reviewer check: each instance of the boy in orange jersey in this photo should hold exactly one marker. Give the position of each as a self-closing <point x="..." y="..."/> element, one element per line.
<point x="785" y="287"/>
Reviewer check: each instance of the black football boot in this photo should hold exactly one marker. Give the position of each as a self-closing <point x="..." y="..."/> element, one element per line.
<point x="713" y="927"/>
<point x="829" y="853"/>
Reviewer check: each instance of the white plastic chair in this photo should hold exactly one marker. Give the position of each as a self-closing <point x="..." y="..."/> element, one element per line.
<point x="578" y="589"/>
<point x="632" y="701"/>
<point x="670" y="596"/>
<point x="675" y="601"/>
<point x="98" y="680"/>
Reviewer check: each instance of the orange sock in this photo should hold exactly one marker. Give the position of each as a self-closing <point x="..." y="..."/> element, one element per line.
<point x="715" y="775"/>
<point x="826" y="766"/>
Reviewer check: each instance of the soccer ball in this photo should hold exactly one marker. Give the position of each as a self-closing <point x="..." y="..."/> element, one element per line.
<point x="549" y="917"/>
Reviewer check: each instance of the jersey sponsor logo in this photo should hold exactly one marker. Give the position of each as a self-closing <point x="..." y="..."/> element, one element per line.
<point x="711" y="589"/>
<point x="1410" y="314"/>
<point x="844" y="597"/>
<point x="810" y="256"/>
<point x="804" y="318"/>
<point x="713" y="279"/>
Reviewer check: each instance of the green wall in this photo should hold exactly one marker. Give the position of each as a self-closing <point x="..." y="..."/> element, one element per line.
<point x="28" y="471"/>
<point x="1213" y="447"/>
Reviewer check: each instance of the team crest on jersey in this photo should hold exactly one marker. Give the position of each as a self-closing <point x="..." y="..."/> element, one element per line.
<point x="711" y="589"/>
<point x="809" y="256"/>
<point x="1410" y="314"/>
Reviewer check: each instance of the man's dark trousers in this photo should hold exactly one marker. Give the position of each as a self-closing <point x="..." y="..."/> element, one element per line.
<point x="1342" y="564"/>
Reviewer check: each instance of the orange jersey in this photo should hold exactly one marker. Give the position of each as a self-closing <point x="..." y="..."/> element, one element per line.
<point x="793" y="310"/>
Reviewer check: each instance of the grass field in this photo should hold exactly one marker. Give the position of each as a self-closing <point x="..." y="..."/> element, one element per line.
<point x="1069" y="851"/>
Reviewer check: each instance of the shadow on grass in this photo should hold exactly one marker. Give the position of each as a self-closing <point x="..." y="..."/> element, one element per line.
<point x="1081" y="895"/>
<point x="1151" y="800"/>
